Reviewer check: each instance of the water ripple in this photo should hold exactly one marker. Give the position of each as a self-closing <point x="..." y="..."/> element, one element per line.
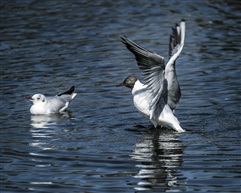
<point x="102" y="144"/>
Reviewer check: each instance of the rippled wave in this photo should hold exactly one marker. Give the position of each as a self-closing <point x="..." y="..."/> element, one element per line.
<point x="102" y="144"/>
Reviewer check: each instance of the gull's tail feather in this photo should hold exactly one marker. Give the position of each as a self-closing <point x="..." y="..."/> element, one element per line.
<point x="73" y="95"/>
<point x="167" y="118"/>
<point x="178" y="128"/>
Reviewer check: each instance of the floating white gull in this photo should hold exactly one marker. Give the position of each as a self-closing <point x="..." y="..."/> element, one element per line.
<point x="56" y="104"/>
<point x="159" y="96"/>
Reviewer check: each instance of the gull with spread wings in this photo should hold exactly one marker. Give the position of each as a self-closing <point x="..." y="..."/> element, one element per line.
<point x="159" y="96"/>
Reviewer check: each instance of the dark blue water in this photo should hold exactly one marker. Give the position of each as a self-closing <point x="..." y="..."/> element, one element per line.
<point x="102" y="144"/>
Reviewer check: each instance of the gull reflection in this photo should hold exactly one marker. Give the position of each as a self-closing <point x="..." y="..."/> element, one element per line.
<point x="158" y="155"/>
<point x="45" y="121"/>
<point x="44" y="129"/>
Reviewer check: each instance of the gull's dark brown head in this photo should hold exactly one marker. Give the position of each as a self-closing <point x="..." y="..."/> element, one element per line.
<point x="129" y="82"/>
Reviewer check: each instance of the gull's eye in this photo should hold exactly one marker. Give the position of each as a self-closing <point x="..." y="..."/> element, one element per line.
<point x="38" y="98"/>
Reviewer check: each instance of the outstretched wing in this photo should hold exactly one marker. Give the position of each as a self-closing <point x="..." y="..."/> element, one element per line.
<point x="153" y="67"/>
<point x="176" y="44"/>
<point x="177" y="38"/>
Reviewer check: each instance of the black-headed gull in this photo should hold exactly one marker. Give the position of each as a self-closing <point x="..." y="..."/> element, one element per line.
<point x="159" y="96"/>
<point x="56" y="104"/>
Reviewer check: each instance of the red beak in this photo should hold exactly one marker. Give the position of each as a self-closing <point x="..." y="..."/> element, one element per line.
<point x="29" y="98"/>
<point x="121" y="84"/>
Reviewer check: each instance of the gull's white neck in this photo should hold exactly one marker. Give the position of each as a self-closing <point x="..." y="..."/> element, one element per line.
<point x="138" y="86"/>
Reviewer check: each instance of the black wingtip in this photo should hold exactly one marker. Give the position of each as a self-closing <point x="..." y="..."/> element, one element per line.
<point x="183" y="20"/>
<point x="69" y="92"/>
<point x="124" y="39"/>
<point x="72" y="89"/>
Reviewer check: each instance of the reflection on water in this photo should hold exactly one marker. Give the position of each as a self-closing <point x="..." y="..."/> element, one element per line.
<point x="45" y="121"/>
<point x="47" y="45"/>
<point x="158" y="154"/>
<point x="45" y="131"/>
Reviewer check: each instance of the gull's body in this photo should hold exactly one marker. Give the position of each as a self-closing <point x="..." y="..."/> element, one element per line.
<point x="159" y="95"/>
<point x="142" y="100"/>
<point x="48" y="105"/>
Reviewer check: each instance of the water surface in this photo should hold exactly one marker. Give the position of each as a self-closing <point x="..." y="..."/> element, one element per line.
<point x="102" y="144"/>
